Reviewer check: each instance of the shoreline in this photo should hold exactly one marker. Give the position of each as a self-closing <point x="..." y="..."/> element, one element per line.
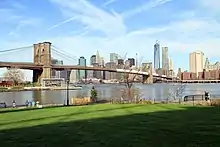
<point x="19" y="89"/>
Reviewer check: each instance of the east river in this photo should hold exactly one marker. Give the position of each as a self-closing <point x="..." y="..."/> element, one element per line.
<point x="107" y="91"/>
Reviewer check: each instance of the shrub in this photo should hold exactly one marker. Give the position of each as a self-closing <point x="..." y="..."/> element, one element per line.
<point x="215" y="102"/>
<point x="94" y="95"/>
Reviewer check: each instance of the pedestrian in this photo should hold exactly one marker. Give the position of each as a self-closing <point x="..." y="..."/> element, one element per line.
<point x="33" y="103"/>
<point x="207" y="96"/>
<point x="37" y="103"/>
<point x="27" y="103"/>
<point x="13" y="104"/>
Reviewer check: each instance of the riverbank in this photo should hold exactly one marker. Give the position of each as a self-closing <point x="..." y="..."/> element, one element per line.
<point x="108" y="125"/>
<point x="36" y="88"/>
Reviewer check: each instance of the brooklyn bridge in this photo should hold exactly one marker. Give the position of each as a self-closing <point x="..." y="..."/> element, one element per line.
<point x="42" y="66"/>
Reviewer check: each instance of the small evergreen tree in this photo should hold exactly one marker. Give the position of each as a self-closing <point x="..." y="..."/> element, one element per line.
<point x="94" y="94"/>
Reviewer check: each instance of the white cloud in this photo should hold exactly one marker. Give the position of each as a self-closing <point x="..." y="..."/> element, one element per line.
<point x="109" y="2"/>
<point x="144" y="7"/>
<point x="24" y="22"/>
<point x="96" y="19"/>
<point x="187" y="34"/>
<point x="62" y="22"/>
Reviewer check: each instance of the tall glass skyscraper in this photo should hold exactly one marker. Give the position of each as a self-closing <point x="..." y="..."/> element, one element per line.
<point x="165" y="59"/>
<point x="157" y="56"/>
<point x="82" y="73"/>
<point x="114" y="58"/>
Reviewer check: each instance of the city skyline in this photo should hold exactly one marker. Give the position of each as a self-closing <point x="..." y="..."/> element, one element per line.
<point x="83" y="27"/>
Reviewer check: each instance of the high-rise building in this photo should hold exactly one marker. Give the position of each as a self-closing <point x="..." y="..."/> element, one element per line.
<point x="92" y="59"/>
<point x="65" y="74"/>
<point x="114" y="58"/>
<point x="196" y="62"/>
<point x="102" y="62"/>
<point x="110" y="75"/>
<point x="98" y="60"/>
<point x="171" y="66"/>
<point x="54" y="73"/>
<point x="82" y="73"/>
<point x="131" y="61"/>
<point x="120" y="61"/>
<point x="157" y="56"/>
<point x="73" y="76"/>
<point x="165" y="60"/>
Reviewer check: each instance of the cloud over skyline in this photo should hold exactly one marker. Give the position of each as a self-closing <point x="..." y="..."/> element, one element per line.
<point x="82" y="27"/>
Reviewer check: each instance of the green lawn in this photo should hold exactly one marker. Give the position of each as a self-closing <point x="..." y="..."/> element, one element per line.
<point x="126" y="125"/>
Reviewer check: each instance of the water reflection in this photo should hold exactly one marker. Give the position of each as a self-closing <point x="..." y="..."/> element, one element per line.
<point x="106" y="91"/>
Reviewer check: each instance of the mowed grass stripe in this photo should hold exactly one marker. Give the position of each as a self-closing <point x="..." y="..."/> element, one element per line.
<point x="112" y="125"/>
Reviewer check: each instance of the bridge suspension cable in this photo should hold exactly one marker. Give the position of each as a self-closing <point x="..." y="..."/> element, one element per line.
<point x="63" y="55"/>
<point x="15" y="49"/>
<point x="63" y="51"/>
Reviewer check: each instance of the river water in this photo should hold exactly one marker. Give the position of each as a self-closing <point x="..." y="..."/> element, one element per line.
<point x="107" y="91"/>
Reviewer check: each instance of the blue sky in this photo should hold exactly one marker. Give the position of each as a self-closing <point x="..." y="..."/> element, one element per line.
<point x="81" y="27"/>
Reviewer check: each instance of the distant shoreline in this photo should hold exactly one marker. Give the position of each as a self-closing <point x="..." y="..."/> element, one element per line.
<point x="18" y="89"/>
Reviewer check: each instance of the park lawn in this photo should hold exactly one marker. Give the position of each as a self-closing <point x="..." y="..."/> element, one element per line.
<point x="112" y="126"/>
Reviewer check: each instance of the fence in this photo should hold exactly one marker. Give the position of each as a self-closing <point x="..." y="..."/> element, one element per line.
<point x="198" y="97"/>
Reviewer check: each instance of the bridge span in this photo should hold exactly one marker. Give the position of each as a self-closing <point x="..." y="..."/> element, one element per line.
<point x="42" y="66"/>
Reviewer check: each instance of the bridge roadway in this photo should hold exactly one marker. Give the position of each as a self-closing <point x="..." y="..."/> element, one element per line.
<point x="32" y="66"/>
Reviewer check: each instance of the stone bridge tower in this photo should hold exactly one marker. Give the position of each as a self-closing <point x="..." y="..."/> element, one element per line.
<point x="148" y="68"/>
<point x="42" y="56"/>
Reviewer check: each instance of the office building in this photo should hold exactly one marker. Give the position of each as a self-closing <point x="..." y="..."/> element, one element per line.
<point x="196" y="62"/>
<point x="65" y="74"/>
<point x="157" y="55"/>
<point x="92" y="59"/>
<point x="165" y="60"/>
<point x="97" y="74"/>
<point x="114" y="58"/>
<point x="82" y="73"/>
<point x="98" y="58"/>
<point x="73" y="76"/>
<point x="120" y="61"/>
<point x="54" y="73"/>
<point x="209" y="66"/>
<point x="131" y="62"/>
<point x="110" y="75"/>
<point x="146" y="67"/>
<point x="102" y="62"/>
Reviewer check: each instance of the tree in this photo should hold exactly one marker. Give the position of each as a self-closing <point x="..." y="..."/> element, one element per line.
<point x="127" y="79"/>
<point x="15" y="75"/>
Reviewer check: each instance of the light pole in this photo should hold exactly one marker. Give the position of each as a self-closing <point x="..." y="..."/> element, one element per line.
<point x="67" y="92"/>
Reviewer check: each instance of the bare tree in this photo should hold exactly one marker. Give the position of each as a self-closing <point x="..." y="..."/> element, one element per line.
<point x="15" y="75"/>
<point x="128" y="79"/>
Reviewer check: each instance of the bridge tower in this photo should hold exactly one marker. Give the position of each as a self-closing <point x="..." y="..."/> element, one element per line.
<point x="42" y="56"/>
<point x="148" y="78"/>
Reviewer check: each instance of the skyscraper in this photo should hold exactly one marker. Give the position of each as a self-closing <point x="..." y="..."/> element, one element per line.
<point x="114" y="58"/>
<point x="157" y="56"/>
<point x="98" y="58"/>
<point x="93" y="59"/>
<point x="165" y="60"/>
<point x="131" y="61"/>
<point x="171" y="66"/>
<point x="196" y="62"/>
<point x="82" y="73"/>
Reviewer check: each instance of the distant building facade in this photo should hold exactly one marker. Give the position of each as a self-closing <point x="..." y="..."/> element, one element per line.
<point x="82" y="73"/>
<point x="157" y="55"/>
<point x="196" y="62"/>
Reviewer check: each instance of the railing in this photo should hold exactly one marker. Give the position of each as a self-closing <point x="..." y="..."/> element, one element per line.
<point x="198" y="97"/>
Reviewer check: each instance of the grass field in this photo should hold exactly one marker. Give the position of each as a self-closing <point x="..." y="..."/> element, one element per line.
<point x="111" y="125"/>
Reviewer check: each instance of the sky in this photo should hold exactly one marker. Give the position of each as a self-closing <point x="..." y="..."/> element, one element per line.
<point x="81" y="27"/>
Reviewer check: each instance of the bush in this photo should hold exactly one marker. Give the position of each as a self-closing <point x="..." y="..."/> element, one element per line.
<point x="94" y="95"/>
<point x="215" y="102"/>
<point x="145" y="102"/>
